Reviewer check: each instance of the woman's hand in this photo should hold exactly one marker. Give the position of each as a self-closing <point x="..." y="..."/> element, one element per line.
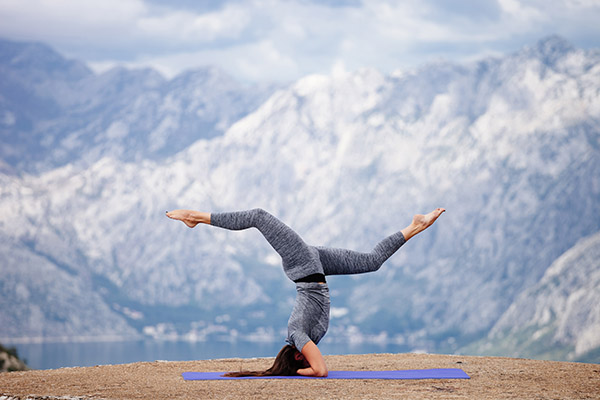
<point x="315" y="359"/>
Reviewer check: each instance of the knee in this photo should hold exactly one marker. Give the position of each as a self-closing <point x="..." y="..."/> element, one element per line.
<point x="258" y="214"/>
<point x="374" y="263"/>
<point x="375" y="267"/>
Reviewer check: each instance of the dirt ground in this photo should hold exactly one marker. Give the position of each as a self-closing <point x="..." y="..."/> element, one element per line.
<point x="491" y="378"/>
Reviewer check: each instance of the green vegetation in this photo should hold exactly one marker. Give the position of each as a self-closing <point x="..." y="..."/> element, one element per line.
<point x="9" y="360"/>
<point x="10" y="350"/>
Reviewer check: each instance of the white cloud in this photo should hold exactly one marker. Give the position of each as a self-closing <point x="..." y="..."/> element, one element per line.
<point x="253" y="62"/>
<point x="190" y="27"/>
<point x="267" y="39"/>
<point x="521" y="13"/>
<point x="116" y="23"/>
<point x="69" y="19"/>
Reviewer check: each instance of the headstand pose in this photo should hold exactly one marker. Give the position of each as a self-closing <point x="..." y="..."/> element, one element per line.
<point x="307" y="266"/>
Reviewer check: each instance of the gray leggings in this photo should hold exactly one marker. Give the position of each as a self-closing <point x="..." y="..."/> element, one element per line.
<point x="299" y="259"/>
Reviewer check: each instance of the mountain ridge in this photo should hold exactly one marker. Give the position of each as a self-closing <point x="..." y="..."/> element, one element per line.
<point x="508" y="145"/>
<point x="65" y="113"/>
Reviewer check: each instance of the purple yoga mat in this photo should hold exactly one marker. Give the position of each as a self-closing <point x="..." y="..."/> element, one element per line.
<point x="437" y="373"/>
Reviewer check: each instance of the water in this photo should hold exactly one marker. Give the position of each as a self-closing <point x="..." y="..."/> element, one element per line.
<point x="58" y="355"/>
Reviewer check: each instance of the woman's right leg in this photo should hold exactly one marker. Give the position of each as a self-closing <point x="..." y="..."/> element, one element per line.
<point x="190" y="217"/>
<point x="287" y="243"/>
<point x="298" y="258"/>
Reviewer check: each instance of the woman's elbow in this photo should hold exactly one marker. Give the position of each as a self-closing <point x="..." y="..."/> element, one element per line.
<point x="321" y="372"/>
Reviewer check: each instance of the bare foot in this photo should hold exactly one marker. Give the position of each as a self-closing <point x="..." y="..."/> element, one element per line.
<point x="421" y="222"/>
<point x="189" y="217"/>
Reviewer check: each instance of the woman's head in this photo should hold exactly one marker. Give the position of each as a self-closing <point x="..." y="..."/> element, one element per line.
<point x="288" y="362"/>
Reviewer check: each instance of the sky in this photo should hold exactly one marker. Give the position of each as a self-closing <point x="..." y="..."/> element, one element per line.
<point x="267" y="40"/>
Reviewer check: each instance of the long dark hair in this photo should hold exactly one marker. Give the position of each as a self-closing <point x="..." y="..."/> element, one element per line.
<point x="285" y="364"/>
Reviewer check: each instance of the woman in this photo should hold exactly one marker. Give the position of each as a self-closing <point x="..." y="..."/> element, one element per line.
<point x="307" y="266"/>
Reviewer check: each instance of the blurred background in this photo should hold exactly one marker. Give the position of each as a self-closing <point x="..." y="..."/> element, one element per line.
<point x="343" y="119"/>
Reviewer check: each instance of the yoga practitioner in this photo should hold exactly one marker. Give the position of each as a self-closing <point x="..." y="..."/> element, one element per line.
<point x="307" y="266"/>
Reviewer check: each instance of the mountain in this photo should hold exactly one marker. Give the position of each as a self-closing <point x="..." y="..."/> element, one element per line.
<point x="510" y="146"/>
<point x="42" y="298"/>
<point x="557" y="317"/>
<point x="55" y="111"/>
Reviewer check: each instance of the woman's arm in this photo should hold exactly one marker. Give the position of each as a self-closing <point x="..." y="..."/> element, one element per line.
<point x="313" y="355"/>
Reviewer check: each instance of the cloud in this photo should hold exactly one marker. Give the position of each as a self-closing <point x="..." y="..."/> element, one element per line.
<point x="267" y="39"/>
<point x="251" y="62"/>
<point x="188" y="27"/>
<point x="117" y="26"/>
<point x="92" y="21"/>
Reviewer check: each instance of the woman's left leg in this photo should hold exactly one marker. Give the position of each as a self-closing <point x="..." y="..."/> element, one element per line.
<point x="348" y="262"/>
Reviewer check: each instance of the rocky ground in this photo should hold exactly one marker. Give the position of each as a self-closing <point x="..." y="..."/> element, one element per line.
<point x="491" y="378"/>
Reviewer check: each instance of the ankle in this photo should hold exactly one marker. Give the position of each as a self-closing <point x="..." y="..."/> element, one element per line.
<point x="200" y="217"/>
<point x="410" y="231"/>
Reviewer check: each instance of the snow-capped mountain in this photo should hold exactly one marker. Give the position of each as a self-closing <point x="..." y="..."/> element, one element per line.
<point x="509" y="146"/>
<point x="559" y="315"/>
<point x="55" y="111"/>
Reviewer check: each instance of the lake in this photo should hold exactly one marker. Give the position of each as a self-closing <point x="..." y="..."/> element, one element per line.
<point x="58" y="355"/>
